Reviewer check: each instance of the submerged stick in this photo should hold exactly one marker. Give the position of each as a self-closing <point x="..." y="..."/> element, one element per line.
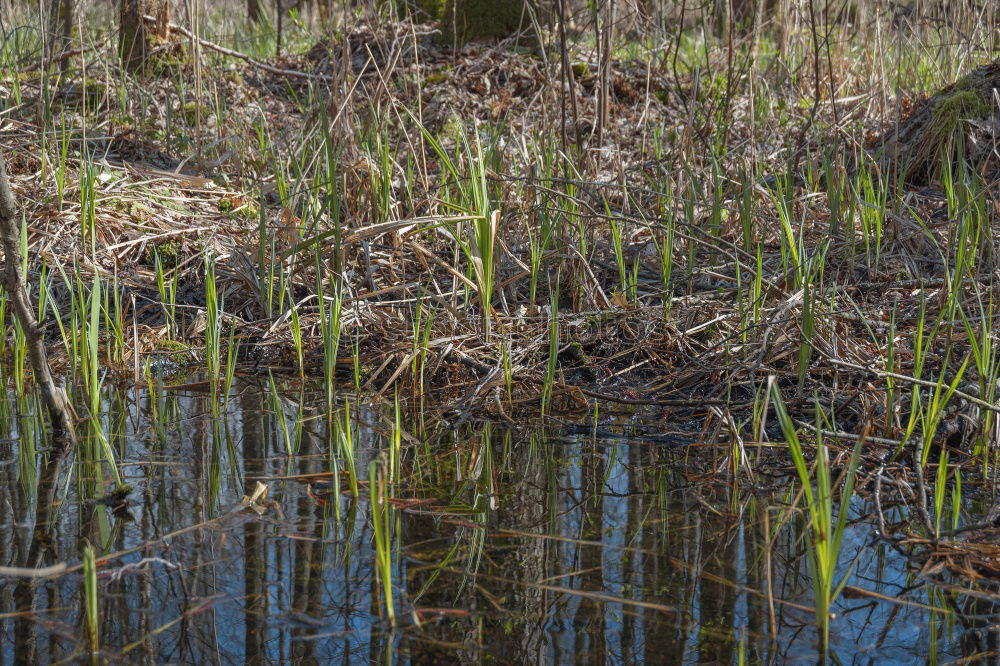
<point x="13" y="283"/>
<point x="29" y="572"/>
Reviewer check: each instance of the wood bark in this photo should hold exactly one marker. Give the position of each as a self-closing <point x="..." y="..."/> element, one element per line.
<point x="466" y="20"/>
<point x="62" y="18"/>
<point x="325" y="9"/>
<point x="966" y="112"/>
<point x="254" y="12"/>
<point x="54" y="397"/>
<point x="136" y="39"/>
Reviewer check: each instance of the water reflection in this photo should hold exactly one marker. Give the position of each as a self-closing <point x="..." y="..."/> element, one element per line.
<point x="537" y="547"/>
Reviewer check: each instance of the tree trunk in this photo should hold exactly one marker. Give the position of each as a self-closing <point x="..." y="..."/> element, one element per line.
<point x="325" y="8"/>
<point x="62" y="20"/>
<point x="466" y="20"/>
<point x="279" y="21"/>
<point x="54" y="397"/>
<point x="254" y="12"/>
<point x="136" y="38"/>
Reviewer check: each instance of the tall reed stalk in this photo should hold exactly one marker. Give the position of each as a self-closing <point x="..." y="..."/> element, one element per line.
<point x="90" y="602"/>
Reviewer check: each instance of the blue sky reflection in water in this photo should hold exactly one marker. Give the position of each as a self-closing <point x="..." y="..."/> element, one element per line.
<point x="554" y="547"/>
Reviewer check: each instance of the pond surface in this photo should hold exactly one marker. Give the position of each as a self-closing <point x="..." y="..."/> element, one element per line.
<point x="556" y="545"/>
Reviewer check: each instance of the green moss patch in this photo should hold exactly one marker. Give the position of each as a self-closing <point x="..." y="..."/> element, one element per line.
<point x="168" y="252"/>
<point x="194" y="113"/>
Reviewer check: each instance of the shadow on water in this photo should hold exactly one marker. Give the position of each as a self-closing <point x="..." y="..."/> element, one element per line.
<point x="558" y="545"/>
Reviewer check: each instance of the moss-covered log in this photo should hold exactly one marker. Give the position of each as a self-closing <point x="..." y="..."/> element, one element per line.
<point x="961" y="119"/>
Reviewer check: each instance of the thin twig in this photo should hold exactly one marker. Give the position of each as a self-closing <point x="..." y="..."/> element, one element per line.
<point x="913" y="380"/>
<point x="236" y="54"/>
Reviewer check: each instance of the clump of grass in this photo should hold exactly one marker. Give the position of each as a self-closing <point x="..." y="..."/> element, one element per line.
<point x="826" y="520"/>
<point x="344" y="440"/>
<point x="381" y="529"/>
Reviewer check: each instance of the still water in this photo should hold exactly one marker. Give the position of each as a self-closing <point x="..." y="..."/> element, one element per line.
<point x="528" y="545"/>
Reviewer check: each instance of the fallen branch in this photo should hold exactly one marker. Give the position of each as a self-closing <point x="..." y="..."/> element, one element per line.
<point x="54" y="397"/>
<point x="913" y="380"/>
<point x="173" y="27"/>
<point x="28" y="572"/>
<point x="104" y="559"/>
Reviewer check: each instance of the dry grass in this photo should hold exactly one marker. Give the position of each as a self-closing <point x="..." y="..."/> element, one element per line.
<point x="711" y="131"/>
